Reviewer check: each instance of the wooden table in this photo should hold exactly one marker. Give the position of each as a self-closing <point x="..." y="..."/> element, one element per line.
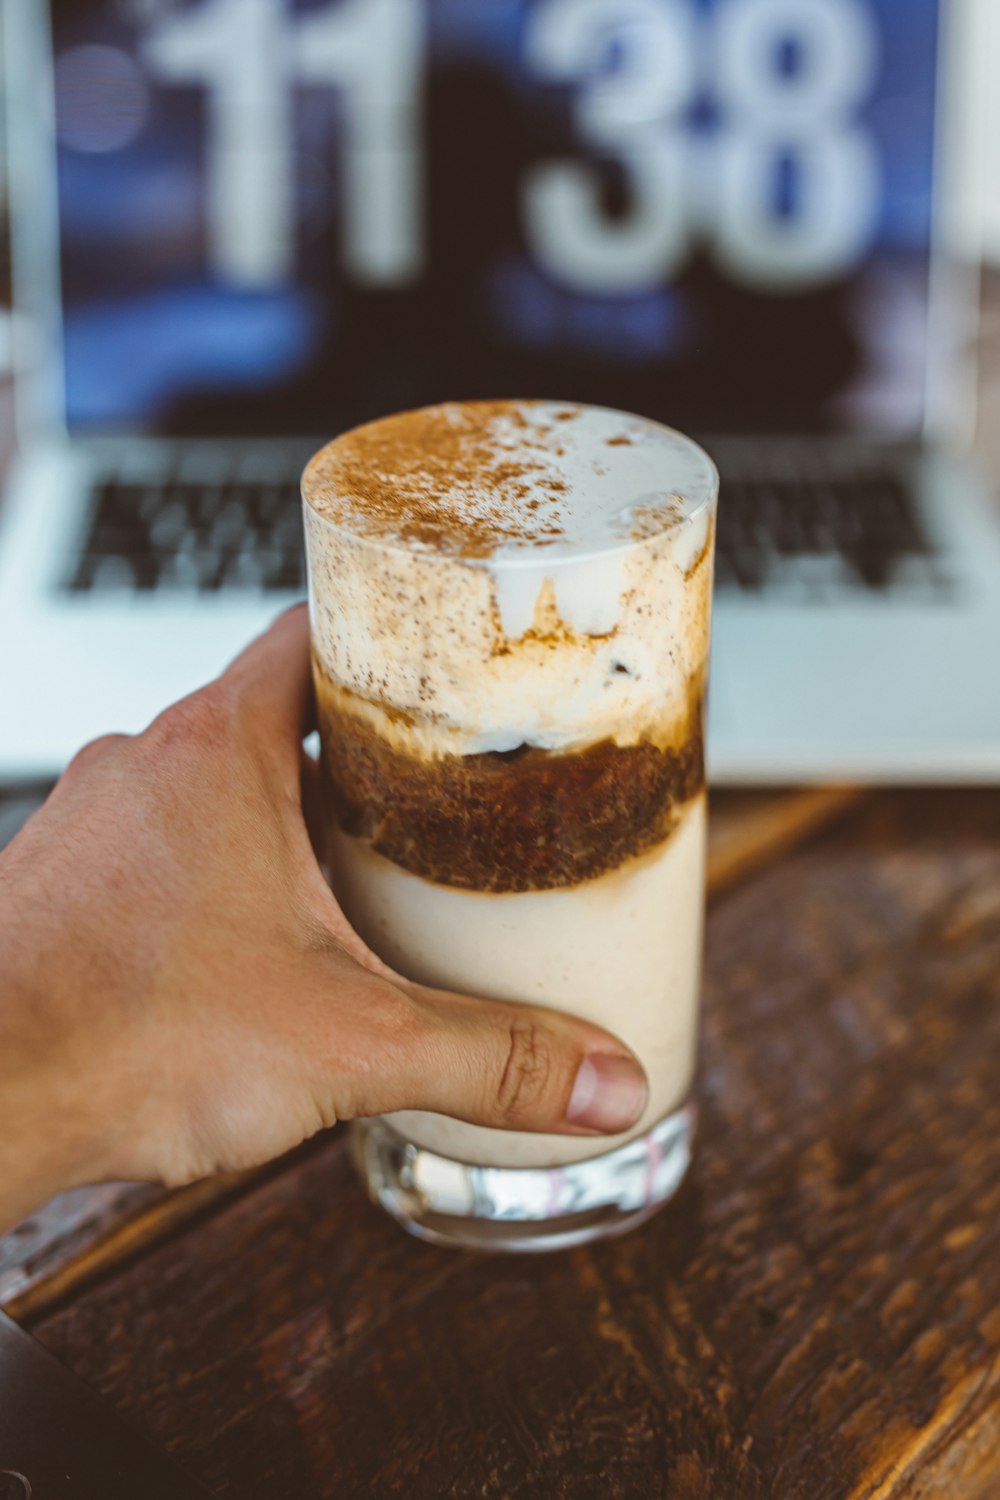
<point x="816" y="1315"/>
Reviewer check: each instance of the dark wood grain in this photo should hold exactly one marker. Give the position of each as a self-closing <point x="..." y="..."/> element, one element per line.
<point x="87" y="1232"/>
<point x="816" y="1317"/>
<point x="748" y="830"/>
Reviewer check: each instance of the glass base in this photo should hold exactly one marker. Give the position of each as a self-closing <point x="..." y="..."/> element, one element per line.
<point x="523" y="1209"/>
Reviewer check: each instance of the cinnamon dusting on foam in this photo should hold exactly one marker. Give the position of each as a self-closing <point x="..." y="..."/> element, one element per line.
<point x="466" y="479"/>
<point x="461" y="479"/>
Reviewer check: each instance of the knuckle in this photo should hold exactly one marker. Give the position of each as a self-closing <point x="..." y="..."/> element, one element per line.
<point x="528" y="1068"/>
<point x="205" y="722"/>
<point x="95" y="752"/>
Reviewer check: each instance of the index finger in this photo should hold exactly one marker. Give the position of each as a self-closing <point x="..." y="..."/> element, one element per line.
<point x="273" y="675"/>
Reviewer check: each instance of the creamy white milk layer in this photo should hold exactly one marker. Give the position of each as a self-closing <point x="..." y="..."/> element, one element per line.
<point x="623" y="950"/>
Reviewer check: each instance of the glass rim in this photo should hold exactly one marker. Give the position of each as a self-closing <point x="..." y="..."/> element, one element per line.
<point x="514" y="555"/>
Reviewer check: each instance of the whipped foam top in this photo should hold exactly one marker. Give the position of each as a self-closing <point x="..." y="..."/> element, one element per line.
<point x="473" y="479"/>
<point x="491" y="574"/>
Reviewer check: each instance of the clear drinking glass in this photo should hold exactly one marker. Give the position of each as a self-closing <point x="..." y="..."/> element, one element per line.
<point x="510" y="606"/>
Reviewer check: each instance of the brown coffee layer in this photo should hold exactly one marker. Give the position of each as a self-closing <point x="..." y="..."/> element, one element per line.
<point x="528" y="819"/>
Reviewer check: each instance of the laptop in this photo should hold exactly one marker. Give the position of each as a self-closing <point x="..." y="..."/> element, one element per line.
<point x="242" y="226"/>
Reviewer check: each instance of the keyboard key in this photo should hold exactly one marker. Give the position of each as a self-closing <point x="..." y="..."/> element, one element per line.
<point x="271" y="563"/>
<point x="118" y="505"/>
<point x="206" y="505"/>
<point x="749" y="566"/>
<point x="111" y="573"/>
<point x="170" y="526"/>
<point x="291" y="576"/>
<point x="286" y="532"/>
<point x="725" y="573"/>
<point x="184" y="571"/>
<point x="147" y="572"/>
<point x="232" y="529"/>
<point x="80" y="576"/>
<point x="150" y="501"/>
<point x="246" y="569"/>
<point x="114" y="541"/>
<point x="265" y="503"/>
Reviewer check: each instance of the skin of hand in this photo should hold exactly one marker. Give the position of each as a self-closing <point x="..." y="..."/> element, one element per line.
<point x="180" y="993"/>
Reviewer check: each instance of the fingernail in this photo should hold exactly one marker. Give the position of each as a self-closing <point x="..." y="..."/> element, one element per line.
<point x="609" y="1094"/>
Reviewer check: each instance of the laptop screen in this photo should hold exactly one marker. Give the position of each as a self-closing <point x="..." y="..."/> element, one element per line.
<point x="288" y="216"/>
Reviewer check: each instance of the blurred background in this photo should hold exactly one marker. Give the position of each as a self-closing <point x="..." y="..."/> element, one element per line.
<point x="240" y="226"/>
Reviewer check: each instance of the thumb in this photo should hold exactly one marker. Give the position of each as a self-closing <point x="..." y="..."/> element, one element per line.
<point x="513" y="1067"/>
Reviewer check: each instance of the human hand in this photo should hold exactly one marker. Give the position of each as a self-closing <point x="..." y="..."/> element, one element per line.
<point x="182" y="994"/>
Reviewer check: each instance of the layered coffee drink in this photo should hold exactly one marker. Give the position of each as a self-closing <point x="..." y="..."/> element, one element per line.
<point x="510" y="606"/>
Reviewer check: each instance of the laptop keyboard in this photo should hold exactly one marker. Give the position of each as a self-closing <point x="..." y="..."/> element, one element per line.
<point x="819" y="535"/>
<point x="192" y="536"/>
<point x="813" y="533"/>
